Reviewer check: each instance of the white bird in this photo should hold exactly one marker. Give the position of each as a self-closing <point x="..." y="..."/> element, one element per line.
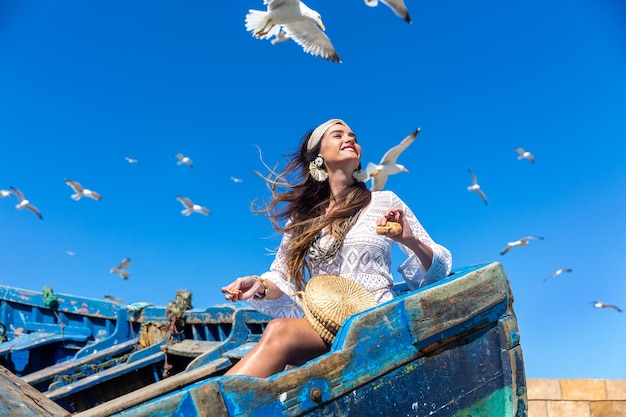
<point x="24" y="203"/>
<point x="388" y="164"/>
<point x="235" y="179"/>
<point x="558" y="272"/>
<point x="131" y="160"/>
<point x="476" y="187"/>
<point x="190" y="207"/>
<point x="80" y="192"/>
<point x="70" y="253"/>
<point x="114" y="299"/>
<point x="398" y="7"/>
<point x="299" y="23"/>
<point x="281" y="36"/>
<point x="600" y="304"/>
<point x="524" y="154"/>
<point x="121" y="269"/>
<point x="5" y="193"/>
<point x="522" y="242"/>
<point x="182" y="159"/>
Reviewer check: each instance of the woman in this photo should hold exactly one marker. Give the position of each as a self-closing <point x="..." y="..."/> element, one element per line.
<point x="329" y="228"/>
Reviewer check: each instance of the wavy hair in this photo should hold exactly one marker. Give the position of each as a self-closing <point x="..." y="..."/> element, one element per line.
<point x="298" y="208"/>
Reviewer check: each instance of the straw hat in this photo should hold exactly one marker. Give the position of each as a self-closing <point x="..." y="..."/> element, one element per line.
<point x="330" y="299"/>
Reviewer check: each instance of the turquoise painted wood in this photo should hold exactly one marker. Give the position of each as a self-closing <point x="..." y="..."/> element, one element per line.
<point x="41" y="329"/>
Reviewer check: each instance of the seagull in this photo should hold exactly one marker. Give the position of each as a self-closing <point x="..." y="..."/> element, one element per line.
<point x="522" y="242"/>
<point x="398" y="7"/>
<point x="5" y="193"/>
<point x="299" y="23"/>
<point x="131" y="160"/>
<point x="281" y="36"/>
<point x="24" y="203"/>
<point x="121" y="269"/>
<point x="190" y="207"/>
<point x="182" y="159"/>
<point x="600" y="304"/>
<point x="114" y="299"/>
<point x="558" y="272"/>
<point x="70" y="253"/>
<point x="81" y="192"/>
<point x="235" y="179"/>
<point x="524" y="154"/>
<point x="476" y="187"/>
<point x="388" y="165"/>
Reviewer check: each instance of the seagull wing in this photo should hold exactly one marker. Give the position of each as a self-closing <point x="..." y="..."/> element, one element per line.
<point x="17" y="192"/>
<point x="391" y="156"/>
<point x="311" y="39"/>
<point x="125" y="262"/>
<point x="474" y="179"/>
<point x="74" y="185"/>
<point x="399" y="8"/>
<point x="482" y="195"/>
<point x="505" y="250"/>
<point x="378" y="181"/>
<point x="277" y="4"/>
<point x="34" y="210"/>
<point x="520" y="151"/>
<point x="185" y="201"/>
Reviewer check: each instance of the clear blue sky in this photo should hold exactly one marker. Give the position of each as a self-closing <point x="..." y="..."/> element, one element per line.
<point x="84" y="84"/>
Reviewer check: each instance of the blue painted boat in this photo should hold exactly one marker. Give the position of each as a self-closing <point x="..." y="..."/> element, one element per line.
<point x="41" y="329"/>
<point x="449" y="349"/>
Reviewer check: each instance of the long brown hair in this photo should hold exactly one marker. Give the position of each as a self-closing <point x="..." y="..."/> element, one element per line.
<point x="298" y="205"/>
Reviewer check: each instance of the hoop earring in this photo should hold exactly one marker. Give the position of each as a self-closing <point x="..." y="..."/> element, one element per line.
<point x="315" y="169"/>
<point x="360" y="175"/>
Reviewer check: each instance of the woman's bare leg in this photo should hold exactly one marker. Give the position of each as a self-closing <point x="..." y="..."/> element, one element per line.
<point x="284" y="341"/>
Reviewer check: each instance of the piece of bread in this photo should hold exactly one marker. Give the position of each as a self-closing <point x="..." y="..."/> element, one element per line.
<point x="390" y="229"/>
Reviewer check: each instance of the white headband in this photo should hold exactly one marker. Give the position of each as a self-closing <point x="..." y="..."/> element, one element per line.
<point x="319" y="131"/>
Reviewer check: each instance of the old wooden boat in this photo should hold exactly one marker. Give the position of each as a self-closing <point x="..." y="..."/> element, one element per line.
<point x="449" y="349"/>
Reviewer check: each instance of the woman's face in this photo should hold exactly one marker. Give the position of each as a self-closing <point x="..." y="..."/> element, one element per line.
<point x="339" y="146"/>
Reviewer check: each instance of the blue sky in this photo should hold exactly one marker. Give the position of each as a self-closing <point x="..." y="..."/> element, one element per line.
<point x="85" y="84"/>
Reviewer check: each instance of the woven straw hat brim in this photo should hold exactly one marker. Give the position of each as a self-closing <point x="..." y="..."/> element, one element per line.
<point x="326" y="335"/>
<point x="328" y="300"/>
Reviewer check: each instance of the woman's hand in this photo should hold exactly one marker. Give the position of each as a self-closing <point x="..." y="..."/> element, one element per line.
<point x="243" y="288"/>
<point x="396" y="215"/>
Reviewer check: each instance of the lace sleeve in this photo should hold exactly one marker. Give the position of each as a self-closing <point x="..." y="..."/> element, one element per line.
<point x="285" y="306"/>
<point x="412" y="270"/>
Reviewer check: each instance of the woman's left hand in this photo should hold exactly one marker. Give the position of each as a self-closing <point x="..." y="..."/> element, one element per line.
<point x="396" y="215"/>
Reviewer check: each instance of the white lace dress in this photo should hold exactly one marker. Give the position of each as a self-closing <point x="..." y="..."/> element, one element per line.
<point x="365" y="257"/>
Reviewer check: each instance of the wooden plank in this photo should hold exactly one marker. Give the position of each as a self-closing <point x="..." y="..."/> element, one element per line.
<point x="155" y="390"/>
<point x="19" y="399"/>
<point x="192" y="348"/>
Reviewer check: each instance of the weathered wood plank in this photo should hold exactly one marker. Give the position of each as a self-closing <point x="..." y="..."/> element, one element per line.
<point x="19" y="399"/>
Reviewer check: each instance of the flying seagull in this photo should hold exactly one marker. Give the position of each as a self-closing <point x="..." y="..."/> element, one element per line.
<point x="114" y="299"/>
<point x="24" y="203"/>
<point x="190" y="207"/>
<point x="121" y="269"/>
<point x="388" y="164"/>
<point x="398" y="7"/>
<point x="70" y="253"/>
<point x="476" y="187"/>
<point x="131" y="160"/>
<point x="182" y="159"/>
<point x="524" y="154"/>
<point x="80" y="192"/>
<point x="600" y="304"/>
<point x="522" y="242"/>
<point x="235" y="179"/>
<point x="299" y="23"/>
<point x="558" y="272"/>
<point x="5" y="193"/>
